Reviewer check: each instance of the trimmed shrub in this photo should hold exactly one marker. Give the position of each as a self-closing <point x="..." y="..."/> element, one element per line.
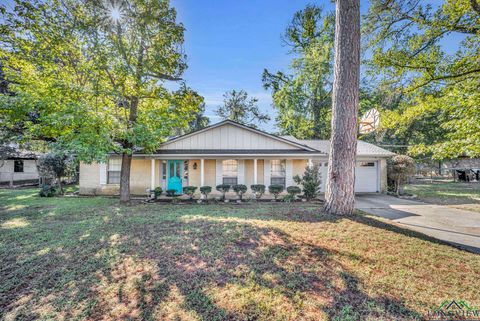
<point x="258" y="190"/>
<point x="157" y="192"/>
<point x="240" y="189"/>
<point x="223" y="188"/>
<point x="205" y="190"/>
<point x="171" y="192"/>
<point x="189" y="190"/>
<point x="293" y="191"/>
<point x="275" y="190"/>
<point x="47" y="191"/>
<point x="310" y="181"/>
<point x="289" y="198"/>
<point x="399" y="168"/>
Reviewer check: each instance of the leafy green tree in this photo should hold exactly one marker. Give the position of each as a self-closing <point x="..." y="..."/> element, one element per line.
<point x="238" y="107"/>
<point x="438" y="113"/>
<point x="56" y="166"/>
<point x="200" y="121"/>
<point x="90" y="76"/>
<point x="303" y="96"/>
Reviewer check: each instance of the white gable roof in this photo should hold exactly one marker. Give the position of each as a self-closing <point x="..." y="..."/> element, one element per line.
<point x="229" y="135"/>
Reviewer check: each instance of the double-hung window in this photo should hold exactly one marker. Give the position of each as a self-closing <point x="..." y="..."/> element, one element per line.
<point x="113" y="170"/>
<point x="230" y="171"/>
<point x="278" y="172"/>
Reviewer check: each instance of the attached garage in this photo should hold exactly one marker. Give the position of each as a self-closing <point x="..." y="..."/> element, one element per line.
<point x="366" y="177"/>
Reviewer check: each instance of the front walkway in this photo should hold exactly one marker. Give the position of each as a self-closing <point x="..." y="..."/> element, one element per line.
<point x="458" y="227"/>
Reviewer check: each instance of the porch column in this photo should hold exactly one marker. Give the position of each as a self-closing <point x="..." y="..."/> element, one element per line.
<point x="267" y="166"/>
<point x="310" y="163"/>
<point x="152" y="175"/>
<point x="255" y="171"/>
<point x="202" y="172"/>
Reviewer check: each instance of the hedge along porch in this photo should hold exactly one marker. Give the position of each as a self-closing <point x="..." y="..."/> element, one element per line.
<point x="229" y="153"/>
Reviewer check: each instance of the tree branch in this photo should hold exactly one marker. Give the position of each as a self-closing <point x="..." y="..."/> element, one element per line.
<point x="475" y="6"/>
<point x="162" y="76"/>
<point x="445" y="77"/>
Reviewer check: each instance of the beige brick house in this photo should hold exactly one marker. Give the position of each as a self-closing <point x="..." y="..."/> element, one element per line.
<point x="230" y="153"/>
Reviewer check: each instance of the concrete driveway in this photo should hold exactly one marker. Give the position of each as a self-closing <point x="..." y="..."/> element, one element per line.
<point x="458" y="227"/>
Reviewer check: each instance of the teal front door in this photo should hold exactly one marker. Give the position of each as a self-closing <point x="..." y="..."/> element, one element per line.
<point x="174" y="175"/>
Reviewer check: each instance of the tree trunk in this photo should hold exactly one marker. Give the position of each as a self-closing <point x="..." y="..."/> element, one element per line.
<point x="59" y="179"/>
<point x="127" y="157"/>
<point x="125" y="177"/>
<point x="339" y="194"/>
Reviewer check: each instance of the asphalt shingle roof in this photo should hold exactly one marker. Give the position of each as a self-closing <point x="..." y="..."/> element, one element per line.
<point x="363" y="148"/>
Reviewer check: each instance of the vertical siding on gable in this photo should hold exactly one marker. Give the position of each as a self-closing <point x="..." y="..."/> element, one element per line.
<point x="228" y="137"/>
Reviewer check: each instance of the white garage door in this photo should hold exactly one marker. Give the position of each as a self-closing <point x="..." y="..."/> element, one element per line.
<point x="366" y="177"/>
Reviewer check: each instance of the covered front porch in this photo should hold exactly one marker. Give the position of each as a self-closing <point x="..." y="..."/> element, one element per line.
<point x="176" y="173"/>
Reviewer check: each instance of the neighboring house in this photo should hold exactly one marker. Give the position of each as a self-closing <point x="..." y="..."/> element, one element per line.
<point x="230" y="153"/>
<point x="19" y="168"/>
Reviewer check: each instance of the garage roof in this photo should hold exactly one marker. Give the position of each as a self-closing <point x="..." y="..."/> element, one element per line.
<point x="363" y="148"/>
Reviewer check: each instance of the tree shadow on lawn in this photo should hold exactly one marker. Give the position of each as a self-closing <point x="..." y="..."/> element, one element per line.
<point x="184" y="268"/>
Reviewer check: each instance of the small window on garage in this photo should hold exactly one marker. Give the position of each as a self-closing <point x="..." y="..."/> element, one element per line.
<point x="366" y="164"/>
<point x="18" y="166"/>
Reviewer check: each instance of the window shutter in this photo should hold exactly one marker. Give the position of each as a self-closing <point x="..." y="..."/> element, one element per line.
<point x="241" y="171"/>
<point x="218" y="172"/>
<point x="103" y="173"/>
<point x="288" y="173"/>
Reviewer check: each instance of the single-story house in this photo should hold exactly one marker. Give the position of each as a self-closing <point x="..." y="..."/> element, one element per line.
<point x="230" y="153"/>
<point x="20" y="167"/>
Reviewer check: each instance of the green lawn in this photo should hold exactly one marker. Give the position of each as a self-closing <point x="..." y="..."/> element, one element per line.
<point x="90" y="258"/>
<point x="457" y="194"/>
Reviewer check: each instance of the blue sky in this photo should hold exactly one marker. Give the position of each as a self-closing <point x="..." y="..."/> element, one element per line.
<point x="230" y="42"/>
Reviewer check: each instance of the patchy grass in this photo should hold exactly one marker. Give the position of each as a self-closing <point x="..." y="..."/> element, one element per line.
<point x="459" y="195"/>
<point x="91" y="259"/>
